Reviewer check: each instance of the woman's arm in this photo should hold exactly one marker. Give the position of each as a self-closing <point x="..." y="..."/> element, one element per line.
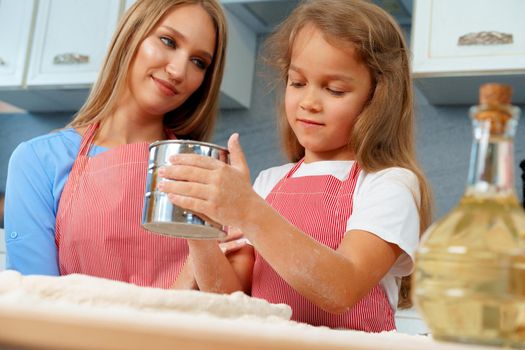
<point x="219" y="273"/>
<point x="210" y="269"/>
<point x="186" y="278"/>
<point x="29" y="215"/>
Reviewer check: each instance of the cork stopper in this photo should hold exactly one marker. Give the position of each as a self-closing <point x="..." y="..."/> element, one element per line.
<point x="495" y="98"/>
<point x="494" y="93"/>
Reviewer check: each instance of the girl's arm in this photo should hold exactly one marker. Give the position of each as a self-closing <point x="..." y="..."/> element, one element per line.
<point x="333" y="280"/>
<point x="29" y="215"/>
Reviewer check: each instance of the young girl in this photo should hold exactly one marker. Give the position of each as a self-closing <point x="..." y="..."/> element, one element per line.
<point x="74" y="197"/>
<point x="339" y="225"/>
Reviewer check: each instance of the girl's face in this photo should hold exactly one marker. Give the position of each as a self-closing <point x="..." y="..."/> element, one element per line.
<point x="327" y="89"/>
<point x="171" y="62"/>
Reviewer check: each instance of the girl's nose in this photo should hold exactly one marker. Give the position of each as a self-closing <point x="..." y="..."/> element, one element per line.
<point x="310" y="101"/>
<point x="177" y="67"/>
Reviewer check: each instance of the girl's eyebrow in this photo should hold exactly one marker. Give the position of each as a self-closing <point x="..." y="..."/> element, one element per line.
<point x="179" y="35"/>
<point x="340" y="77"/>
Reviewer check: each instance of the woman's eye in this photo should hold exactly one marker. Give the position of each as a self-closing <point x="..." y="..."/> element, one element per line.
<point x="167" y="41"/>
<point x="202" y="65"/>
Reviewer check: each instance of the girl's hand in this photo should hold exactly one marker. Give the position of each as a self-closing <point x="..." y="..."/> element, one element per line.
<point x="210" y="187"/>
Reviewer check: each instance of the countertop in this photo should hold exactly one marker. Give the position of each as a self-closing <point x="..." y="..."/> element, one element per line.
<point x="25" y="328"/>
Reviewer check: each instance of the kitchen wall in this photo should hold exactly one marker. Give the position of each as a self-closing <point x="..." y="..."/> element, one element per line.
<point x="443" y="139"/>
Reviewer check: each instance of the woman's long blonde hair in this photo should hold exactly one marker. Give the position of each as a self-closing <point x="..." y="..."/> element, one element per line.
<point x="195" y="118"/>
<point x="383" y="135"/>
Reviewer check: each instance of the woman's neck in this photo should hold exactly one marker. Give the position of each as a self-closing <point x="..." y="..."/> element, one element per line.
<point x="128" y="125"/>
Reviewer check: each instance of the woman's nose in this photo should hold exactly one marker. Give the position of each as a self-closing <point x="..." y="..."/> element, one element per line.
<point x="177" y="67"/>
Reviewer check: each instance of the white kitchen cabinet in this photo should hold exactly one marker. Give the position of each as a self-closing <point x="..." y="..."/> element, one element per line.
<point x="58" y="50"/>
<point x="61" y="46"/>
<point x="69" y="44"/>
<point x="70" y="41"/>
<point x="448" y="72"/>
<point x="16" y="18"/>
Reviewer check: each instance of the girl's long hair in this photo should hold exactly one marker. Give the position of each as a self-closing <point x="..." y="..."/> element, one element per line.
<point x="195" y="118"/>
<point x="383" y="135"/>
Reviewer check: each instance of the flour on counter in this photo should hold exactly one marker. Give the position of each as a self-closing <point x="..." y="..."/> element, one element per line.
<point x="237" y="321"/>
<point x="93" y="291"/>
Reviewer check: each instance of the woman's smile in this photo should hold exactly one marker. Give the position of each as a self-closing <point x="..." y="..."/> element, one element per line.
<point x="165" y="87"/>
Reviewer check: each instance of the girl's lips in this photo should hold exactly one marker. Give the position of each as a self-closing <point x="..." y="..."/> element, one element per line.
<point x="309" y="122"/>
<point x="165" y="87"/>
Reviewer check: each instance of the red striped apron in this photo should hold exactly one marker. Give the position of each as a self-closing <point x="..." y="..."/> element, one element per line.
<point x="320" y="206"/>
<point x="98" y="227"/>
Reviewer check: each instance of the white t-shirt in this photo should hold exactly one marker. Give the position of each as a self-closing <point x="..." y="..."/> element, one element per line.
<point x="385" y="204"/>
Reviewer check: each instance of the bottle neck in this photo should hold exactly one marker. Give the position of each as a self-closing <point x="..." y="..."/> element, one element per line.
<point x="491" y="171"/>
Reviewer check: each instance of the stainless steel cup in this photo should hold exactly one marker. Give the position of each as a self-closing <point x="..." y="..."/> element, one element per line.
<point x="159" y="214"/>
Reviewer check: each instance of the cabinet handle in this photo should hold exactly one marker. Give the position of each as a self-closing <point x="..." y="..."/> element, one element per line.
<point x="71" y="58"/>
<point x="485" y="38"/>
<point x="2" y="62"/>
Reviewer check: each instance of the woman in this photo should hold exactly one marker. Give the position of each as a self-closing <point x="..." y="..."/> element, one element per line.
<point x="74" y="197"/>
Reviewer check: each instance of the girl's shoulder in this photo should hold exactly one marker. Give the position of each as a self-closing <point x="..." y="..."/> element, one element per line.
<point x="395" y="181"/>
<point x="399" y="175"/>
<point x="268" y="178"/>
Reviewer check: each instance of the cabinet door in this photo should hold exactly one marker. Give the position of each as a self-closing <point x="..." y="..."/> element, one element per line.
<point x="15" y="27"/>
<point x="438" y="25"/>
<point x="70" y="41"/>
<point x="450" y="71"/>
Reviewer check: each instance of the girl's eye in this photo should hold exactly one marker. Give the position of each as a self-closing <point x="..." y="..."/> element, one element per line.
<point x="168" y="41"/>
<point x="201" y="64"/>
<point x="335" y="92"/>
<point x="295" y="84"/>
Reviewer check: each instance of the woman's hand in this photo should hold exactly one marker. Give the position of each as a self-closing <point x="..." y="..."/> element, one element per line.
<point x="210" y="187"/>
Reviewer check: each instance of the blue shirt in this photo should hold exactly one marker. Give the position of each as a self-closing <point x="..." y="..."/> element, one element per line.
<point x="37" y="172"/>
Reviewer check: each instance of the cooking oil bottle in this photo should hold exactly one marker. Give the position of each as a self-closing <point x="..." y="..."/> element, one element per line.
<point x="470" y="267"/>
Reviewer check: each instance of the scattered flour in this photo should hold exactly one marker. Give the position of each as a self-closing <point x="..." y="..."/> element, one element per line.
<point x="237" y="319"/>
<point x="98" y="292"/>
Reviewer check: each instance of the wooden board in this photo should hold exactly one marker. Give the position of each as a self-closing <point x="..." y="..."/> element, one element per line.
<point x="24" y="328"/>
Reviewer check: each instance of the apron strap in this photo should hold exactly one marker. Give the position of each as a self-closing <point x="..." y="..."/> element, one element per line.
<point x="87" y="139"/>
<point x="294" y="169"/>
<point x="89" y="135"/>
<point x="354" y="171"/>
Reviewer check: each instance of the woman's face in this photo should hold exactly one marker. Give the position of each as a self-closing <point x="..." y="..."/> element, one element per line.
<point x="327" y="89"/>
<point x="171" y="62"/>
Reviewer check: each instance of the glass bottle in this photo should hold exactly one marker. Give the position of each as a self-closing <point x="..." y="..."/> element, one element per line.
<point x="469" y="282"/>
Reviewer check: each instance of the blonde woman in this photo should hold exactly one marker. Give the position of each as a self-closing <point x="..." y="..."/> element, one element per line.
<point x="74" y="197"/>
<point x="338" y="226"/>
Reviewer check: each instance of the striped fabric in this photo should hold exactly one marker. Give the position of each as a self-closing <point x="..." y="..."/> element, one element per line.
<point x="320" y="206"/>
<point x="98" y="228"/>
